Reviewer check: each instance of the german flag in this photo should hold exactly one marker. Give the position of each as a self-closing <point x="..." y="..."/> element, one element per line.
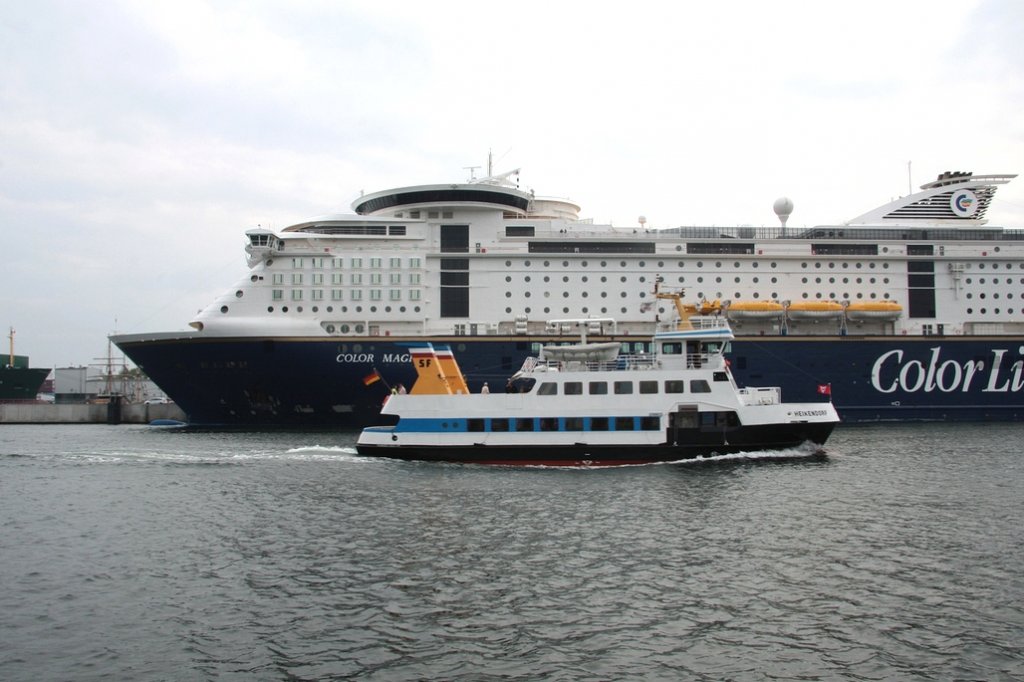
<point x="371" y="378"/>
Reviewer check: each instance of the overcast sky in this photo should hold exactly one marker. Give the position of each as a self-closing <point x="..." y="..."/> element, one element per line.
<point x="139" y="140"/>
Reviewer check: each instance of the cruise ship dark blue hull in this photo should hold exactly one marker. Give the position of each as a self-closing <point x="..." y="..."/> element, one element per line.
<point x="331" y="383"/>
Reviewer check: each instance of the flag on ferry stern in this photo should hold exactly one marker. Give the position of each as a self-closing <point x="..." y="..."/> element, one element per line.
<point x="371" y="378"/>
<point x="825" y="389"/>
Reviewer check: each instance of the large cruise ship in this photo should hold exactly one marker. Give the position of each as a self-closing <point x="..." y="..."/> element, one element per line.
<point x="913" y="311"/>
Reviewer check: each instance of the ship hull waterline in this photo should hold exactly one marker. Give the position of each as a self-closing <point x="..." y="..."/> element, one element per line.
<point x="742" y="440"/>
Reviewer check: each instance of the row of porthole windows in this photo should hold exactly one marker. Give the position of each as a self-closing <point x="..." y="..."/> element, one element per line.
<point x="566" y="310"/>
<point x="996" y="266"/>
<point x="970" y="295"/>
<point x="641" y="264"/>
<point x="718" y="264"/>
<point x="754" y="264"/>
<point x="344" y="328"/>
<point x="738" y="280"/>
<point x="700" y="295"/>
<point x="995" y="280"/>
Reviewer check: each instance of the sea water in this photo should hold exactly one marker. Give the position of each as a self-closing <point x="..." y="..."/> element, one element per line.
<point x="143" y="553"/>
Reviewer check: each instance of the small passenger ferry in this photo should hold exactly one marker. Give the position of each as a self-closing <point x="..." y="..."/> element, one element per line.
<point x="590" y="404"/>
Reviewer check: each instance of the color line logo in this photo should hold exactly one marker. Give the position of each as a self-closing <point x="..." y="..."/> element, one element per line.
<point x="964" y="203"/>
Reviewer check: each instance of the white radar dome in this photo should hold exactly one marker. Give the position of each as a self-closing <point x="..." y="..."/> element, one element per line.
<point x="783" y="207"/>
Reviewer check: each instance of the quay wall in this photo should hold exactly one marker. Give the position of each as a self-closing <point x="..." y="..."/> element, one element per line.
<point x="49" y="413"/>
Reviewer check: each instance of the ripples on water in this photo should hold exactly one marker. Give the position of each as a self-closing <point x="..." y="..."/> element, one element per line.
<point x="142" y="553"/>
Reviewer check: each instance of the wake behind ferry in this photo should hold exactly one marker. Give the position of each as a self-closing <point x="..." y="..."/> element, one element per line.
<point x="912" y="311"/>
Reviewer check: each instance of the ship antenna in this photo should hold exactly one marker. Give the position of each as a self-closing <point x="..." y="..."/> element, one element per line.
<point x="11" y="337"/>
<point x="472" y="172"/>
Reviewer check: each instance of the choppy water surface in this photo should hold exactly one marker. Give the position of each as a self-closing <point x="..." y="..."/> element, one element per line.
<point x="143" y="553"/>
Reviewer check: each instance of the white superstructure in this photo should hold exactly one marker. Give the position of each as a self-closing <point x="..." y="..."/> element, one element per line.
<point x="486" y="257"/>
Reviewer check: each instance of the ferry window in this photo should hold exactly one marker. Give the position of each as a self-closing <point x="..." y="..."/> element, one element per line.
<point x="573" y="388"/>
<point x="599" y="423"/>
<point x="650" y="423"/>
<point x="548" y="388"/>
<point x="524" y="424"/>
<point x="574" y="423"/>
<point x="648" y="387"/>
<point x="675" y="386"/>
<point x="674" y="348"/>
<point x="598" y="388"/>
<point x="699" y="386"/>
<point x="623" y="423"/>
<point x="721" y="376"/>
<point x="475" y="425"/>
<point x="499" y="424"/>
<point x="623" y="387"/>
<point x="549" y="423"/>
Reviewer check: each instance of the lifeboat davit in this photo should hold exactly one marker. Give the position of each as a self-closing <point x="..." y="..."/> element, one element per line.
<point x="754" y="310"/>
<point x="874" y="310"/>
<point x="815" y="310"/>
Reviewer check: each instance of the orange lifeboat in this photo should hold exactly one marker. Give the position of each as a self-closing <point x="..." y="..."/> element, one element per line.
<point x="874" y="310"/>
<point x="815" y="310"/>
<point x="754" y="310"/>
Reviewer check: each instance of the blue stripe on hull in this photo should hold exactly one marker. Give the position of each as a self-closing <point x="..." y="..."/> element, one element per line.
<point x="319" y="382"/>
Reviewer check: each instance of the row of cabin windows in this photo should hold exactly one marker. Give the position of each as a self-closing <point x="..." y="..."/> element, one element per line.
<point x="626" y="387"/>
<point x="505" y="424"/>
<point x="339" y="263"/>
<point x="394" y="278"/>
